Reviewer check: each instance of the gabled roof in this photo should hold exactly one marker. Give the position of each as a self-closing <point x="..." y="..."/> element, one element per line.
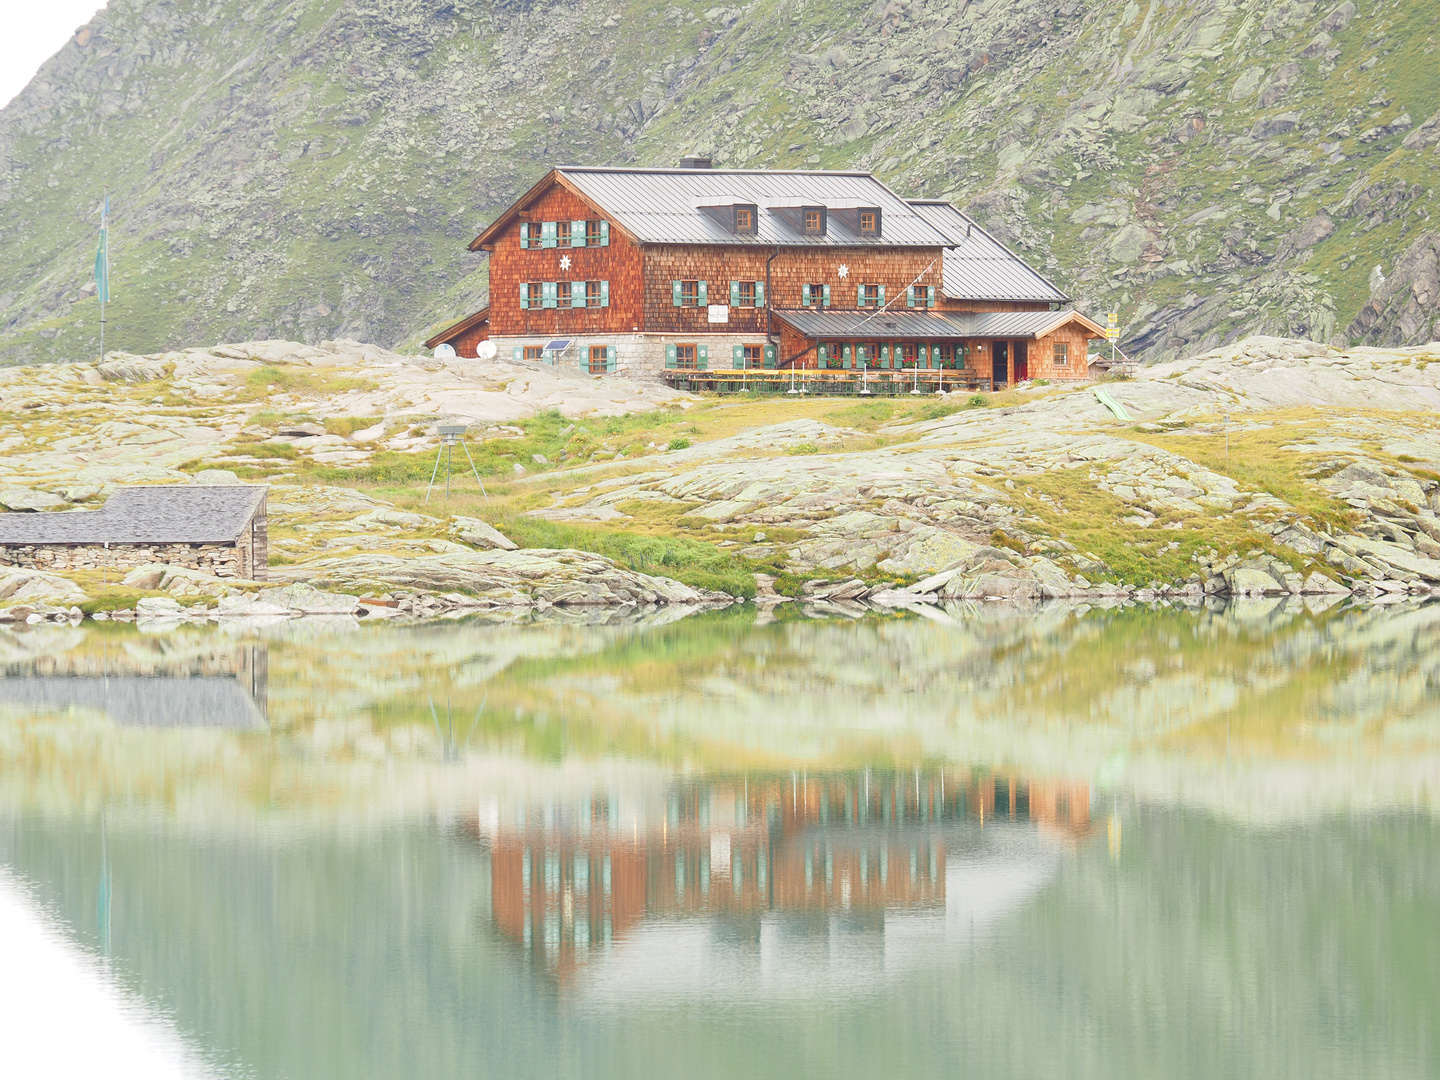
<point x="149" y="514"/>
<point x="662" y="206"/>
<point x="450" y="333"/>
<point x="865" y="324"/>
<point x="979" y="267"/>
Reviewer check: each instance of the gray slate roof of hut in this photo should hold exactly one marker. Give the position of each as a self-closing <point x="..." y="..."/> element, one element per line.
<point x="865" y="324"/>
<point x="662" y="206"/>
<point x="149" y="514"/>
<point x="979" y="267"/>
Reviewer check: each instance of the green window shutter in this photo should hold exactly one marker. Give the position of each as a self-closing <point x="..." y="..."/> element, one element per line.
<point x="847" y="355"/>
<point x="910" y="296"/>
<point x="604" y="234"/>
<point x="675" y="293"/>
<point x="605" y="293"/>
<point x="611" y="360"/>
<point x="524" y="235"/>
<point x="519" y="352"/>
<point x="577" y="234"/>
<point x="759" y="294"/>
<point x="670" y="356"/>
<point x="702" y="358"/>
<point x="859" y="295"/>
<point x="825" y="296"/>
<point x="922" y="356"/>
<point x="734" y="294"/>
<point x="547" y="234"/>
<point x="804" y="295"/>
<point x="577" y="294"/>
<point x="885" y="355"/>
<point x="770" y="360"/>
<point x="549" y="294"/>
<point x="704" y="294"/>
<point x="524" y="295"/>
<point x="822" y="359"/>
<point x="929" y="295"/>
<point x="882" y="295"/>
<point x="737" y="354"/>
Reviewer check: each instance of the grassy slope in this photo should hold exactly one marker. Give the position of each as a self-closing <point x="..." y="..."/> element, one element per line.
<point x="312" y="168"/>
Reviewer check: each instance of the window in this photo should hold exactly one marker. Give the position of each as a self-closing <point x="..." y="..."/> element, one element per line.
<point x="529" y="234"/>
<point x="908" y="354"/>
<point x="597" y="233"/>
<point x="754" y="356"/>
<point x="870" y="296"/>
<point x="685" y="357"/>
<point x="745" y="294"/>
<point x="744" y="219"/>
<point x="1062" y="354"/>
<point x="869" y="222"/>
<point x="812" y="220"/>
<point x="534" y="294"/>
<point x="599" y="354"/>
<point x="562" y="293"/>
<point x="534" y="352"/>
<point x="689" y="294"/>
<point x="562" y="234"/>
<point x="592" y="294"/>
<point x="814" y="295"/>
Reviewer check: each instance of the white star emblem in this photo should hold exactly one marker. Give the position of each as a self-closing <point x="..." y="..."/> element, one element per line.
<point x="564" y="262"/>
<point x="844" y="271"/>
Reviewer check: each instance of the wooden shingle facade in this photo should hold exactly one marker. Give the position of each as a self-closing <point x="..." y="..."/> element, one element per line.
<point x="643" y="271"/>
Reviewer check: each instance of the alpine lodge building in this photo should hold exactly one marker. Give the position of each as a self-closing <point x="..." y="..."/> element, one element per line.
<point x="672" y="272"/>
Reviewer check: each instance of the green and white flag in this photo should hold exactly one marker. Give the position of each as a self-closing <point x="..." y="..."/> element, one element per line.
<point x="102" y="256"/>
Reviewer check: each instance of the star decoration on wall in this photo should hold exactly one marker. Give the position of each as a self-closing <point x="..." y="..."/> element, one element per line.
<point x="564" y="262"/>
<point x="844" y="271"/>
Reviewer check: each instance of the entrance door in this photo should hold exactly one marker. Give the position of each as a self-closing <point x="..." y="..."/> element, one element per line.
<point x="1000" y="358"/>
<point x="1022" y="361"/>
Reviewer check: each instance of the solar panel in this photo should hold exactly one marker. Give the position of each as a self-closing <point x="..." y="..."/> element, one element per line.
<point x="559" y="345"/>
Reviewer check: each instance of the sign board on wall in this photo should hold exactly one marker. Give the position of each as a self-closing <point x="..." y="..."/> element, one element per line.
<point x="719" y="313"/>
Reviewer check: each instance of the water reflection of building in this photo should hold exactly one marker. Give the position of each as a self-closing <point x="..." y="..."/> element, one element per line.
<point x="570" y="880"/>
<point x="220" y="687"/>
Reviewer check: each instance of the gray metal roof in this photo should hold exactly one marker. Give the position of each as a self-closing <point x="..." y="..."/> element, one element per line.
<point x="661" y="206"/>
<point x="924" y="325"/>
<point x="979" y="267"/>
<point x="150" y="514"/>
<point x="147" y="701"/>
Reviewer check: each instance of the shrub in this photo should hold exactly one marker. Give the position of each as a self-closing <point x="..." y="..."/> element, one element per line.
<point x="802" y="448"/>
<point x="679" y="444"/>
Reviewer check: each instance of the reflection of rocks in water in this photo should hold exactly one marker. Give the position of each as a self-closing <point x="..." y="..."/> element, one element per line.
<point x="785" y="855"/>
<point x="209" y="687"/>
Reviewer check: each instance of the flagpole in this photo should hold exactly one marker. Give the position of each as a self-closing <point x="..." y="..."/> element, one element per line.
<point x="104" y="267"/>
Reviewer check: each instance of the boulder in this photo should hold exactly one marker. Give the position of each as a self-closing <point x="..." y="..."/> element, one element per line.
<point x="526" y="578"/>
<point x="305" y="599"/>
<point x="214" y="477"/>
<point x="158" y="607"/>
<point x="13" y="497"/>
<point x="21" y="585"/>
<point x="476" y="532"/>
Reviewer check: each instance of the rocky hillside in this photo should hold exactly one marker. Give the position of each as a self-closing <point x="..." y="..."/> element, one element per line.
<point x="311" y="168"/>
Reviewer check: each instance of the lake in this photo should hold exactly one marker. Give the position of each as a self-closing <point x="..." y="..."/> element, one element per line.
<point x="997" y="842"/>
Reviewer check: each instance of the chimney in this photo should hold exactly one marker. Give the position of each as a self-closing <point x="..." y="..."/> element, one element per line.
<point x="694" y="161"/>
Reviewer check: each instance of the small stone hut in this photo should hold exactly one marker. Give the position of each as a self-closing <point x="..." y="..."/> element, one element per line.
<point x="220" y="530"/>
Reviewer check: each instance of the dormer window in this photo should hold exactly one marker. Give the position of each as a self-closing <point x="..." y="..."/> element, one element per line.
<point x="869" y="221"/>
<point x="744" y="219"/>
<point x="812" y="220"/>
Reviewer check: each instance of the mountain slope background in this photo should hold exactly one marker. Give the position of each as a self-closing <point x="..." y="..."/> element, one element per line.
<point x="312" y="169"/>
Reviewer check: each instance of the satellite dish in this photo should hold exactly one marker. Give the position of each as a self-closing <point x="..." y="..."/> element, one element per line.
<point x="444" y="352"/>
<point x="486" y="350"/>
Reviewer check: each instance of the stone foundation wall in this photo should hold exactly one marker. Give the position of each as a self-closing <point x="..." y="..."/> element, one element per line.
<point x="637" y="355"/>
<point x="222" y="560"/>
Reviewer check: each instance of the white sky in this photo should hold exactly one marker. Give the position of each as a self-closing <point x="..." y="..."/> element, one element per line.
<point x="33" y="31"/>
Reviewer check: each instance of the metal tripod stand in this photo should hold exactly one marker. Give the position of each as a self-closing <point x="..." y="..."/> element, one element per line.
<point x="450" y="434"/>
